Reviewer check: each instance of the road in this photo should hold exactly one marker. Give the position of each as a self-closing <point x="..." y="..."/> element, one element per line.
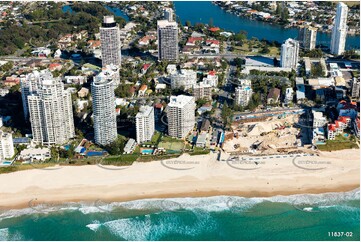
<point x="239" y="114"/>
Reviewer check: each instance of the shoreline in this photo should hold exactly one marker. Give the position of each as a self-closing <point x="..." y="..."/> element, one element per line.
<point x="198" y="194"/>
<point x="208" y="178"/>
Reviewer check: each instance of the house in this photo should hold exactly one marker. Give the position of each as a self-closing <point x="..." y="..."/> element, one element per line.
<point x="273" y="95"/>
<point x="83" y="92"/>
<point x="132" y="90"/>
<point x="11" y="81"/>
<point x="94" y="44"/>
<point x="145" y="68"/>
<point x="212" y="43"/>
<point x="214" y="29"/>
<point x="192" y="41"/>
<point x="160" y="87"/>
<point x="142" y="90"/>
<point x="144" y="41"/>
<point x="55" y="66"/>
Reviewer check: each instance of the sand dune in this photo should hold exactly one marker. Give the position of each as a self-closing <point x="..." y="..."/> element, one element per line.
<point x="185" y="176"/>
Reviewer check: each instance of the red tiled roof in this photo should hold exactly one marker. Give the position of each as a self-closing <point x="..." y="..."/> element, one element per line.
<point x="212" y="41"/>
<point x="146" y="66"/>
<point x="332" y="127"/>
<point x="214" y="29"/>
<point x="194" y="39"/>
<point x="143" y="88"/>
<point x="212" y="73"/>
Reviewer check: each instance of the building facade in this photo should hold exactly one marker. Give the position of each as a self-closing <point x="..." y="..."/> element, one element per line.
<point x="183" y="78"/>
<point x="167" y="40"/>
<point x="202" y="90"/>
<point x="110" y="42"/>
<point x="289" y="53"/>
<point x="50" y="111"/>
<point x="181" y="116"/>
<point x="339" y="30"/>
<point x="104" y="114"/>
<point x="355" y="91"/>
<point x="145" y="125"/>
<point x="243" y="93"/>
<point x="6" y="145"/>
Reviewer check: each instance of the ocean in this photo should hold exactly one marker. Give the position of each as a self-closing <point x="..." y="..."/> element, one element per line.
<point x="295" y="217"/>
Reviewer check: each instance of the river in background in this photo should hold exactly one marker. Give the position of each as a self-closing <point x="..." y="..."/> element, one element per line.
<point x="203" y="11"/>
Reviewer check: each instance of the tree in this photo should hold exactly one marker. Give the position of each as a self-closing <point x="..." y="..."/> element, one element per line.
<point x="242" y="35"/>
<point x="226" y="114"/>
<point x="116" y="147"/>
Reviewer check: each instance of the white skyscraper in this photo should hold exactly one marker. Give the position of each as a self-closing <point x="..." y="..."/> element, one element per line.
<point x="105" y="121"/>
<point x="50" y="110"/>
<point x="289" y="53"/>
<point x="183" y="78"/>
<point x="339" y="30"/>
<point x="181" y="117"/>
<point x="167" y="40"/>
<point x="307" y="36"/>
<point x="6" y="145"/>
<point x="145" y="124"/>
<point x="110" y="42"/>
<point x="243" y="93"/>
<point x="30" y="84"/>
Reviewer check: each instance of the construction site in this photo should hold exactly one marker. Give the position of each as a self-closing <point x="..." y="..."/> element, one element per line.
<point x="272" y="135"/>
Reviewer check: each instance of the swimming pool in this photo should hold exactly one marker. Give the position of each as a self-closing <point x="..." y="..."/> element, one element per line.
<point x="6" y="163"/>
<point x="147" y="152"/>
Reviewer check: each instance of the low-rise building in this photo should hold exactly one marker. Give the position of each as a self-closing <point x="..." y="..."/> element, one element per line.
<point x="243" y="93"/>
<point x="202" y="91"/>
<point x="130" y="146"/>
<point x="183" y="78"/>
<point x="211" y="79"/>
<point x="83" y="92"/>
<point x="202" y="140"/>
<point x="273" y="96"/>
<point x="31" y="154"/>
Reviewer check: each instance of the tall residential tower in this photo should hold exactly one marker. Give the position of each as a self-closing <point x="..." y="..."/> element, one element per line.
<point x="145" y="125"/>
<point x="110" y="42"/>
<point x="181" y="117"/>
<point x="339" y="30"/>
<point x="105" y="121"/>
<point x="50" y="110"/>
<point x="289" y="53"/>
<point x="167" y="40"/>
<point x="307" y="37"/>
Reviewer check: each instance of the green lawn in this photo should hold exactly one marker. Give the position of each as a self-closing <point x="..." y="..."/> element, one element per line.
<point x="121" y="160"/>
<point x="340" y="143"/>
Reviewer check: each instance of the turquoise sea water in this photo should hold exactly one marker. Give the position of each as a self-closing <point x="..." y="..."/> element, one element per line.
<point x="297" y="217"/>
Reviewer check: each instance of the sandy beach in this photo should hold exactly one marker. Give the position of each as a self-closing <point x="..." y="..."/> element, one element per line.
<point x="186" y="176"/>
